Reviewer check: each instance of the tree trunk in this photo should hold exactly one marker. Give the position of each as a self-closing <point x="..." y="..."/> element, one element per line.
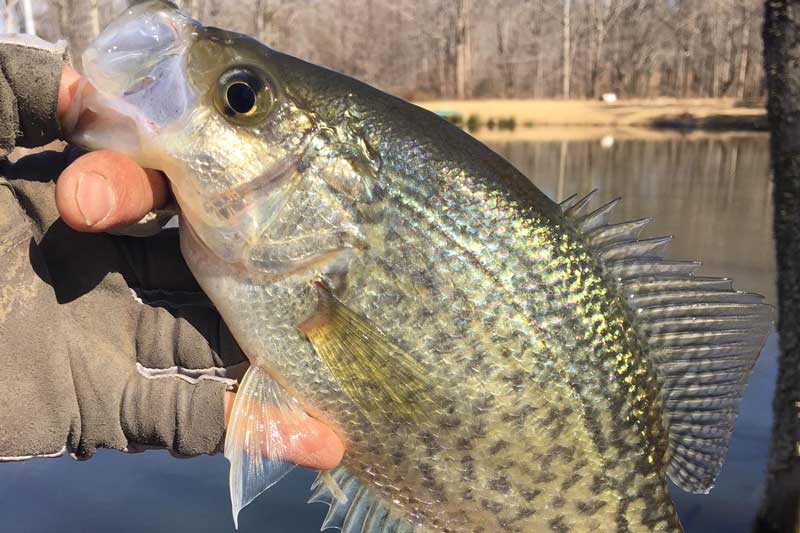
<point x="84" y="24"/>
<point x="444" y="55"/>
<point x="27" y="14"/>
<point x="779" y="512"/>
<point x="9" y="15"/>
<point x="63" y="17"/>
<point x="537" y="90"/>
<point x="463" y="56"/>
<point x="729" y="60"/>
<point x="261" y="8"/>
<point x="94" y="18"/>
<point x="507" y="73"/>
<point x="679" y="66"/>
<point x="567" y="61"/>
<point x="743" y="59"/>
<point x="716" y="60"/>
<point x="597" y="46"/>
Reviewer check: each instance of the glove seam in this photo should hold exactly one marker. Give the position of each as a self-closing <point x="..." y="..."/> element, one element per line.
<point x="15" y="458"/>
<point x="20" y="236"/>
<point x="186" y="374"/>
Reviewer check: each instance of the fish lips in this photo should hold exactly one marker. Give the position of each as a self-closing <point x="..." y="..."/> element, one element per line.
<point x="135" y="83"/>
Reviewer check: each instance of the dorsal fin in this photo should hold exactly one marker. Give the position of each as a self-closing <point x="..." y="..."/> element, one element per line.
<point x="355" y="508"/>
<point x="702" y="336"/>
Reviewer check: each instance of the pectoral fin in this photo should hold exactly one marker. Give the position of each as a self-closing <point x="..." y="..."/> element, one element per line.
<point x="265" y="419"/>
<point x="384" y="380"/>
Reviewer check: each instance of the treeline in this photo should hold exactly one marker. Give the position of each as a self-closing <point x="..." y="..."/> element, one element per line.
<point x="490" y="48"/>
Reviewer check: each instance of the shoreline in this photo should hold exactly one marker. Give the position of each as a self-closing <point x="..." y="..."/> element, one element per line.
<point x="545" y="134"/>
<point x="695" y="114"/>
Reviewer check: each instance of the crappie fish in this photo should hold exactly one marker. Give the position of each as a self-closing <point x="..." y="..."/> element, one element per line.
<point x="493" y="360"/>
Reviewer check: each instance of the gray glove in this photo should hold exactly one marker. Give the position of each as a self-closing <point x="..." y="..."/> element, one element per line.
<point x="105" y="341"/>
<point x="30" y="71"/>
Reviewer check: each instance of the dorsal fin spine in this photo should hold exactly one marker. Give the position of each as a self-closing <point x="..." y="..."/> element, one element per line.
<point x="641" y="248"/>
<point x="610" y="233"/>
<point x="598" y="217"/>
<point x="578" y="207"/>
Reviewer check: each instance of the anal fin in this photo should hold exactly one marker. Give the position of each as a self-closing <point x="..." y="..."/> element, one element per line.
<point x="264" y="420"/>
<point x="357" y="509"/>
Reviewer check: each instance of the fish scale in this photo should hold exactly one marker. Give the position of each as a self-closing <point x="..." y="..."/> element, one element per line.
<point x="402" y="326"/>
<point x="492" y="360"/>
<point x="515" y="267"/>
<point x="497" y="487"/>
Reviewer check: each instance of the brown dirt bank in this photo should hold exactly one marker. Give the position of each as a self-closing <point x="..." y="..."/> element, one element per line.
<point x="705" y="113"/>
<point x="607" y="134"/>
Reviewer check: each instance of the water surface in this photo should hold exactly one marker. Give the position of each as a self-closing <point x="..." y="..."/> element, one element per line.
<point x="712" y="192"/>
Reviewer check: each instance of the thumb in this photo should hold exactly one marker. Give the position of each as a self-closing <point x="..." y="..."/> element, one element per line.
<point x="104" y="190"/>
<point x="66" y="90"/>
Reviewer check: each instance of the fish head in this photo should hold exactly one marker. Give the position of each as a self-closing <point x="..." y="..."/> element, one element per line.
<point x="227" y="119"/>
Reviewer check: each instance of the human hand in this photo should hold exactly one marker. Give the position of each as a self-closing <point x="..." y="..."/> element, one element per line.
<point x="103" y="191"/>
<point x="121" y="348"/>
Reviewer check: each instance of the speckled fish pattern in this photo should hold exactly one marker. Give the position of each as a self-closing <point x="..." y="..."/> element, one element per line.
<point x="547" y="416"/>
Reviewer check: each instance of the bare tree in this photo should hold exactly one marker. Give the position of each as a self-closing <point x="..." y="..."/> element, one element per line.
<point x="567" y="52"/>
<point x="27" y="15"/>
<point x="509" y="48"/>
<point x="10" y="15"/>
<point x="462" y="45"/>
<point x="744" y="49"/>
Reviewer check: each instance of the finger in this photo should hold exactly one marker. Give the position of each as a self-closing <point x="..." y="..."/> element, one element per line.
<point x="184" y="334"/>
<point x="189" y="419"/>
<point x="104" y="190"/>
<point x="169" y="412"/>
<point x="66" y="90"/>
<point x="309" y="443"/>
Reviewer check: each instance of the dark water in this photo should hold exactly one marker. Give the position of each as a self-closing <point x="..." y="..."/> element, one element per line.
<point x="712" y="193"/>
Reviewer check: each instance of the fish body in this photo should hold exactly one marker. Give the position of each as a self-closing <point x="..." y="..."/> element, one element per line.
<point x="493" y="360"/>
<point x="552" y="418"/>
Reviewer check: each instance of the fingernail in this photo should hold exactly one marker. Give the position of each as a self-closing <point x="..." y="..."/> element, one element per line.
<point x="94" y="197"/>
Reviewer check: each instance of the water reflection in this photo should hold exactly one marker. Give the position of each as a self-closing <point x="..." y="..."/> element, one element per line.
<point x="712" y="193"/>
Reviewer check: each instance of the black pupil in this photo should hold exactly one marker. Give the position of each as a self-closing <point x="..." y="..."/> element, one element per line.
<point x="241" y="97"/>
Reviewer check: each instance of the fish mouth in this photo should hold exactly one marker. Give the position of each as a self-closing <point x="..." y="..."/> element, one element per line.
<point x="135" y="83"/>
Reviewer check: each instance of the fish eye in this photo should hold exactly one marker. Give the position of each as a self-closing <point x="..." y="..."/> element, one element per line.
<point x="243" y="96"/>
<point x="240" y="97"/>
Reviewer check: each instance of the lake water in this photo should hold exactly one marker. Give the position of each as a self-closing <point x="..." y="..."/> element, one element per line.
<point x="712" y="192"/>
